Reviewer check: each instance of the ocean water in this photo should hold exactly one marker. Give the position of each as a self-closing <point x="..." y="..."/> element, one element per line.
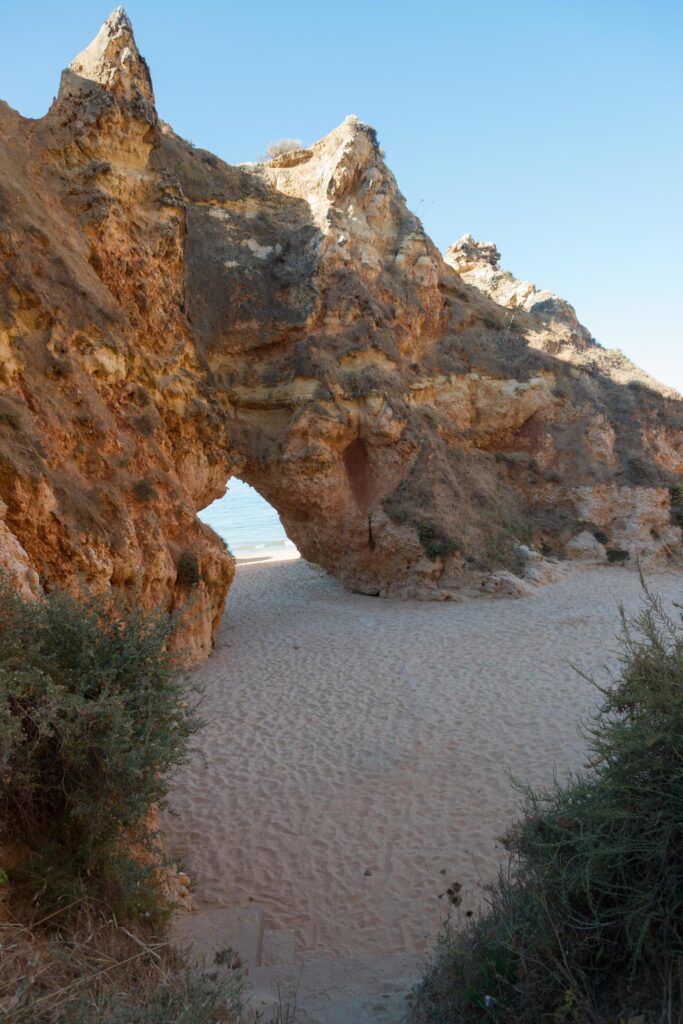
<point x="247" y="523"/>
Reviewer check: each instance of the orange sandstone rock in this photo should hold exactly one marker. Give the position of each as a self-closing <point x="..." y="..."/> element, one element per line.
<point x="168" y="321"/>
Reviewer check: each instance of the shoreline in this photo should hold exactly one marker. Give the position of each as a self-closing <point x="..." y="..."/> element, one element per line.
<point x="256" y="556"/>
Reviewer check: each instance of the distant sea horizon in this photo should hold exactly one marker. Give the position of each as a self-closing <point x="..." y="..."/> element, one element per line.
<point x="247" y="523"/>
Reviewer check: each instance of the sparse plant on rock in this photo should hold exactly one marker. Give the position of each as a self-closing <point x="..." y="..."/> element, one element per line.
<point x="677" y="504"/>
<point x="435" y="544"/>
<point x="144" y="490"/>
<point x="189" y="574"/>
<point x="282" y="147"/>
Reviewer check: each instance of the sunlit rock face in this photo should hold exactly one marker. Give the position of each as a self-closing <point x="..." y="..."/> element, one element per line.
<point x="110" y="440"/>
<point x="478" y="263"/>
<point x="167" y="321"/>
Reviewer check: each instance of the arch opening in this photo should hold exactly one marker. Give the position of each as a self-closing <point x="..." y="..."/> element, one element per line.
<point x="248" y="524"/>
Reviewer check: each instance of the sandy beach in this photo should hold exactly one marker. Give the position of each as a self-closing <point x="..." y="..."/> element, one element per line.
<point x="356" y="756"/>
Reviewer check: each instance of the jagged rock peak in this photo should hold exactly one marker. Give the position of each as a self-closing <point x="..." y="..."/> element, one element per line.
<point x="113" y="60"/>
<point x="351" y="191"/>
<point x="478" y="263"/>
<point x="467" y="254"/>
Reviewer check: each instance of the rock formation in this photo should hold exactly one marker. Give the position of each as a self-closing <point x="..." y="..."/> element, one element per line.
<point x="478" y="263"/>
<point x="168" y="321"/>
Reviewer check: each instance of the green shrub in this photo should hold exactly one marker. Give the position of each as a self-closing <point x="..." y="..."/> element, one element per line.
<point x="677" y="505"/>
<point x="93" y="718"/>
<point x="586" y="924"/>
<point x="426" y="531"/>
<point x="440" y="548"/>
<point x="435" y="544"/>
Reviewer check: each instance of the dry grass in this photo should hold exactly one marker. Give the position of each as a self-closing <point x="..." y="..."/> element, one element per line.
<point x="82" y="967"/>
<point x="282" y="147"/>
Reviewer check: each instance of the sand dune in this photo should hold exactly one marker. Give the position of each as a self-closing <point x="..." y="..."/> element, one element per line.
<point x="356" y="753"/>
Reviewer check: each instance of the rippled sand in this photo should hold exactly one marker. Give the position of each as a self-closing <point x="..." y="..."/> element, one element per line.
<point x="356" y="756"/>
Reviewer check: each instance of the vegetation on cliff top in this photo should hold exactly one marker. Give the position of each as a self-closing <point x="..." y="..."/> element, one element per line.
<point x="282" y="147"/>
<point x="586" y="923"/>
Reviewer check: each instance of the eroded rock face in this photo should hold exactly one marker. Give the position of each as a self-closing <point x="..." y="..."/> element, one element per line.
<point x="110" y="437"/>
<point x="167" y="321"/>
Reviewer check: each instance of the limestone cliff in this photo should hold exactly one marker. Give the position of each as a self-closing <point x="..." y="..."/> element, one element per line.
<point x="168" y="321"/>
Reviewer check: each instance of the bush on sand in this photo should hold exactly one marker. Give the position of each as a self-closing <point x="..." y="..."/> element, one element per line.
<point x="586" y="923"/>
<point x="94" y="717"/>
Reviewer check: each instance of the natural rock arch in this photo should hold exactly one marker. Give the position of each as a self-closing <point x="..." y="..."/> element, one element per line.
<point x="247" y="522"/>
<point x="167" y="321"/>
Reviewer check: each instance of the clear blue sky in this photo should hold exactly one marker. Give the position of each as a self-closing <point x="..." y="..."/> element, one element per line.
<point x="554" y="129"/>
